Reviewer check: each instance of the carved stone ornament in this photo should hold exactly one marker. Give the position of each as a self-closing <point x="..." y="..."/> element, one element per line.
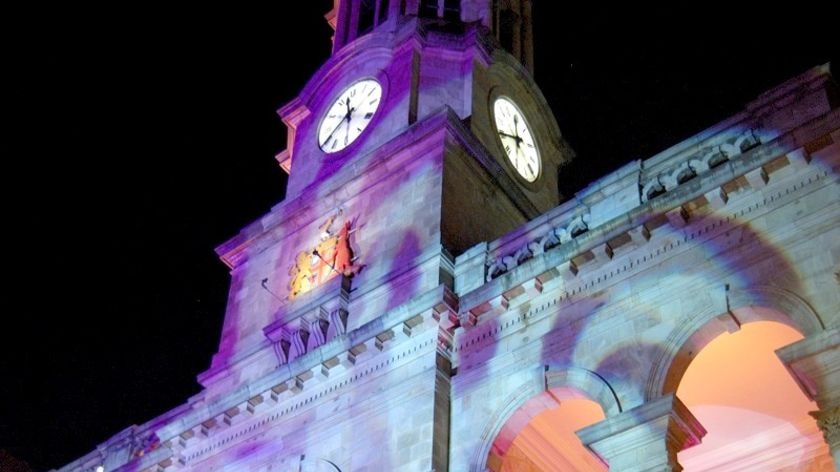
<point x="829" y="423"/>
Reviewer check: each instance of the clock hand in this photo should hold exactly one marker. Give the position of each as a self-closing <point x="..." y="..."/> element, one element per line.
<point x="329" y="136"/>
<point x="517" y="139"/>
<point x="347" y="132"/>
<point x="349" y="117"/>
<point x="516" y="130"/>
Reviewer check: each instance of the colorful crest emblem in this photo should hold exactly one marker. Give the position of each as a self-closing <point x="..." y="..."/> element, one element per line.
<point x="330" y="257"/>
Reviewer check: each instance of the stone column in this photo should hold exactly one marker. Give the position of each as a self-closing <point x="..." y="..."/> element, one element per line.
<point x="646" y="438"/>
<point x="814" y="363"/>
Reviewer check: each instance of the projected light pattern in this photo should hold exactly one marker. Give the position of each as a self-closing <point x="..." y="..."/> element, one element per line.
<point x="638" y="309"/>
<point x="588" y="316"/>
<point x="625" y="362"/>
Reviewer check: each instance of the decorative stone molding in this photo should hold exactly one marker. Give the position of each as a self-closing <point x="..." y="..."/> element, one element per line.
<point x="489" y="302"/>
<point x="814" y="363"/>
<point x="757" y="178"/>
<point x="829" y="423"/>
<point x="800" y="312"/>
<point x="590" y="383"/>
<point x="435" y="309"/>
<point x="531" y="387"/>
<point x="290" y="400"/>
<point x="678" y="217"/>
<point x="296" y="333"/>
<point x="724" y="313"/>
<point x="636" y="227"/>
<point x="555" y="236"/>
<point x="446" y="315"/>
<point x="645" y="438"/>
<point x="733" y="144"/>
<point x="500" y="262"/>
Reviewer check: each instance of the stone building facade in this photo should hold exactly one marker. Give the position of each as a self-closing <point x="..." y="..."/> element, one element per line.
<point x="419" y="297"/>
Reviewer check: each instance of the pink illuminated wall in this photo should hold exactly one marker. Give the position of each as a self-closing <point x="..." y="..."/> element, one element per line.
<point x="752" y="409"/>
<point x="547" y="442"/>
<point x="755" y="414"/>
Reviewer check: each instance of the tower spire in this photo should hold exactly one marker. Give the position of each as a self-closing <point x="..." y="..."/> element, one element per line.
<point x="511" y="21"/>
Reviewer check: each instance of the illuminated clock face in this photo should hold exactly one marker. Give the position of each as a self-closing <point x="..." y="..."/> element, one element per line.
<point x="349" y="115"/>
<point x="516" y="138"/>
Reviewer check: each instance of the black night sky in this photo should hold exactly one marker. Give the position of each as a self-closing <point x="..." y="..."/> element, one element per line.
<point x="141" y="137"/>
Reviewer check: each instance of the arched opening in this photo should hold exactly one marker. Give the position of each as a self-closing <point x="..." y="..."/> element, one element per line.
<point x="540" y="435"/>
<point x="755" y="414"/>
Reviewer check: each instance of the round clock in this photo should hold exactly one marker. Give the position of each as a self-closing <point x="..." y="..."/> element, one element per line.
<point x="349" y="115"/>
<point x="516" y="138"/>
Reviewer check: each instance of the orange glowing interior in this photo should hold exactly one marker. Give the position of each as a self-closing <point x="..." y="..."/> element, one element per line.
<point x="549" y="443"/>
<point x="755" y="414"/>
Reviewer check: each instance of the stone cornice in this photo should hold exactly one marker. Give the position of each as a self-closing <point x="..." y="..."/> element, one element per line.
<point x="528" y="279"/>
<point x="536" y="237"/>
<point x="192" y="431"/>
<point x="261" y="411"/>
<point x="403" y="322"/>
<point x="643" y="215"/>
<point x="281" y="405"/>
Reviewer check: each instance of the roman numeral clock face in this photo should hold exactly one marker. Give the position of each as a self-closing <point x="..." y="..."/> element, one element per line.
<point x="516" y="138"/>
<point x="349" y="115"/>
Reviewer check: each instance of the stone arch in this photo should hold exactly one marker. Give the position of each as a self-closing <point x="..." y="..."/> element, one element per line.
<point x="758" y="303"/>
<point x="579" y="382"/>
<point x="592" y="385"/>
<point x="793" y="309"/>
<point x="493" y="427"/>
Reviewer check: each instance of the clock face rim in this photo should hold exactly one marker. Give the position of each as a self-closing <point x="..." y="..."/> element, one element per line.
<point x="501" y="97"/>
<point x="357" y="119"/>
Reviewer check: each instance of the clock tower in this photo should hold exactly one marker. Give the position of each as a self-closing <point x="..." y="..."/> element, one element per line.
<point x="421" y="301"/>
<point x="421" y="136"/>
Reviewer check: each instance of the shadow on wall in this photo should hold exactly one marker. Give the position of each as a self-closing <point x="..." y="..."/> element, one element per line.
<point x="649" y="334"/>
